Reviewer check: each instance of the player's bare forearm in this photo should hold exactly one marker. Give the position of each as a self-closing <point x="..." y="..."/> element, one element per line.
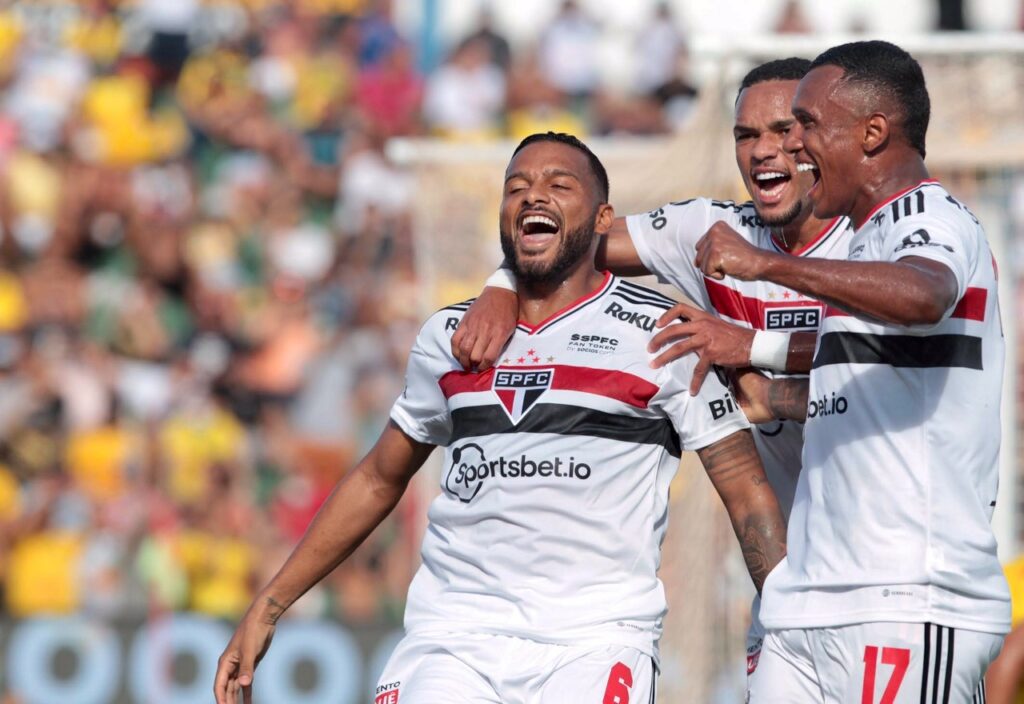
<point x="735" y="470"/>
<point x="787" y="398"/>
<point x="617" y="253"/>
<point x="357" y="505"/>
<point x="912" y="291"/>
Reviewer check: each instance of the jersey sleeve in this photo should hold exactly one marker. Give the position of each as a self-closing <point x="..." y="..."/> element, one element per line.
<point x="702" y="419"/>
<point x="666" y="241"/>
<point x="422" y="410"/>
<point x="946" y="240"/>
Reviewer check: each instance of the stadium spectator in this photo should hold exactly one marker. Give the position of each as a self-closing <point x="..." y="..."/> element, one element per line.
<point x="465" y="98"/>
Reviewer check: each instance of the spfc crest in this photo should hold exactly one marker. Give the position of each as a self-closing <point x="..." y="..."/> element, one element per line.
<point x="519" y="389"/>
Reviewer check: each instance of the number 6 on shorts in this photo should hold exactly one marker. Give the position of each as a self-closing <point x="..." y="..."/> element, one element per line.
<point x="619" y="681"/>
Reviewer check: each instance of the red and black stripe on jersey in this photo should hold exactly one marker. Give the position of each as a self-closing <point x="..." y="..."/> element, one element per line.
<point x="560" y="418"/>
<point x="908" y="351"/>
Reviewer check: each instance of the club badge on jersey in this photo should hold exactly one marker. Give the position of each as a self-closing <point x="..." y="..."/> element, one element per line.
<point x="519" y="389"/>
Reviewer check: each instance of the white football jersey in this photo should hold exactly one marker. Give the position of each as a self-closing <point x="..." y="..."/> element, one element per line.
<point x="554" y="488"/>
<point x="666" y="240"/>
<point x="891" y="520"/>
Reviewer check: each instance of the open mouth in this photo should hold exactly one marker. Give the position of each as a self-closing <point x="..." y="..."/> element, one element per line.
<point x="813" y="168"/>
<point x="537" y="229"/>
<point x="770" y="185"/>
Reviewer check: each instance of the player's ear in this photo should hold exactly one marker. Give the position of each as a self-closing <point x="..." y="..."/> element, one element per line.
<point x="605" y="218"/>
<point x="876" y="132"/>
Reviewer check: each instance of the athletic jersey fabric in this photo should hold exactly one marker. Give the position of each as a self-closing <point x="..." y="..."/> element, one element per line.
<point x="891" y="520"/>
<point x="666" y="240"/>
<point x="554" y="488"/>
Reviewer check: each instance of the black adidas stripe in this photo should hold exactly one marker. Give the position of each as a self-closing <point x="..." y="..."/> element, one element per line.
<point x="938" y="671"/>
<point x="949" y="667"/>
<point x="654" y="681"/>
<point x="938" y="665"/>
<point x="644" y="292"/>
<point x="639" y="302"/>
<point x="477" y="421"/>
<point x="924" y="663"/>
<point x="463" y="305"/>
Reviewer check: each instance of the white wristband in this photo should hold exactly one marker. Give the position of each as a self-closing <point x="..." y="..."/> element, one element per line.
<point x="502" y="278"/>
<point x="770" y="350"/>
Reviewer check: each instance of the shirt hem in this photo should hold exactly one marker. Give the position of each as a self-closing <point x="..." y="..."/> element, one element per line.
<point x="848" y="619"/>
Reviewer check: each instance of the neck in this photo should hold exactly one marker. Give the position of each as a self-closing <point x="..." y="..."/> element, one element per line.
<point x="540" y="300"/>
<point x="801" y="232"/>
<point x="885" y="181"/>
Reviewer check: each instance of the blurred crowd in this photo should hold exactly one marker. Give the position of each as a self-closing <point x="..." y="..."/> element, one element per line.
<point x="207" y="287"/>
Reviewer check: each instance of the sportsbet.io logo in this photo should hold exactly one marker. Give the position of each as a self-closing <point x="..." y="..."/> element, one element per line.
<point x="470" y="468"/>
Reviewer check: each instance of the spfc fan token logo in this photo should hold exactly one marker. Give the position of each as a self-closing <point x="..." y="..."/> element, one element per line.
<point x="519" y="389"/>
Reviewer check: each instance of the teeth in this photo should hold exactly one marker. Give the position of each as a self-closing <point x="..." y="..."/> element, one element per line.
<point x="769" y="174"/>
<point x="542" y="219"/>
<point x="806" y="167"/>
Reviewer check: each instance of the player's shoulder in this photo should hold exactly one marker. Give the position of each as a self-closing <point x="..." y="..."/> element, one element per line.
<point x="639" y="295"/>
<point x="928" y="202"/>
<point x="636" y="308"/>
<point x="441" y="324"/>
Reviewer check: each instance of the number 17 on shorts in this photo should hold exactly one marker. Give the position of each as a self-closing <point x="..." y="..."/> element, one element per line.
<point x="874" y="663"/>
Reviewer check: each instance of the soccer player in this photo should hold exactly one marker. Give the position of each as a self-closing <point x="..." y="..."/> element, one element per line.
<point x="749" y="321"/>
<point x="891" y="590"/>
<point x="539" y="576"/>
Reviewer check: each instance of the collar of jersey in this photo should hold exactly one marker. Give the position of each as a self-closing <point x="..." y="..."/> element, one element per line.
<point x="894" y="196"/>
<point x="581" y="302"/>
<point x="818" y="239"/>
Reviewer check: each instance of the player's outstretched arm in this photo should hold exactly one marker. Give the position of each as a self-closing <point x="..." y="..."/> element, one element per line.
<point x="911" y="291"/>
<point x="617" y="253"/>
<point x="357" y="505"/>
<point x="735" y="470"/>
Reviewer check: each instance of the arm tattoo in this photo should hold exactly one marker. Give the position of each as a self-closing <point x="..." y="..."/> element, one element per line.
<point x="734" y="468"/>
<point x="763" y="542"/>
<point x="787" y="398"/>
<point x="275" y="610"/>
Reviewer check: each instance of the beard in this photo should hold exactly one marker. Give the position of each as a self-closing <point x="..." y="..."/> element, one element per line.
<point x="573" y="247"/>
<point x="785" y="218"/>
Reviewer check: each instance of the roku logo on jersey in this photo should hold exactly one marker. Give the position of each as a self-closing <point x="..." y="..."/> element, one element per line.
<point x="470" y="468"/>
<point x="826" y="406"/>
<point x="792" y="318"/>
<point x="641" y="320"/>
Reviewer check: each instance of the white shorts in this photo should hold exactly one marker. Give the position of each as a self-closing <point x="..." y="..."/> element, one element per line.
<point x="475" y="668"/>
<point x="755" y="638"/>
<point x="873" y="663"/>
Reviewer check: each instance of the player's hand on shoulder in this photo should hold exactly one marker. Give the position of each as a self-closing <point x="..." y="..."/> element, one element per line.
<point x="485" y="328"/>
<point x="723" y="252"/>
<point x="686" y="329"/>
